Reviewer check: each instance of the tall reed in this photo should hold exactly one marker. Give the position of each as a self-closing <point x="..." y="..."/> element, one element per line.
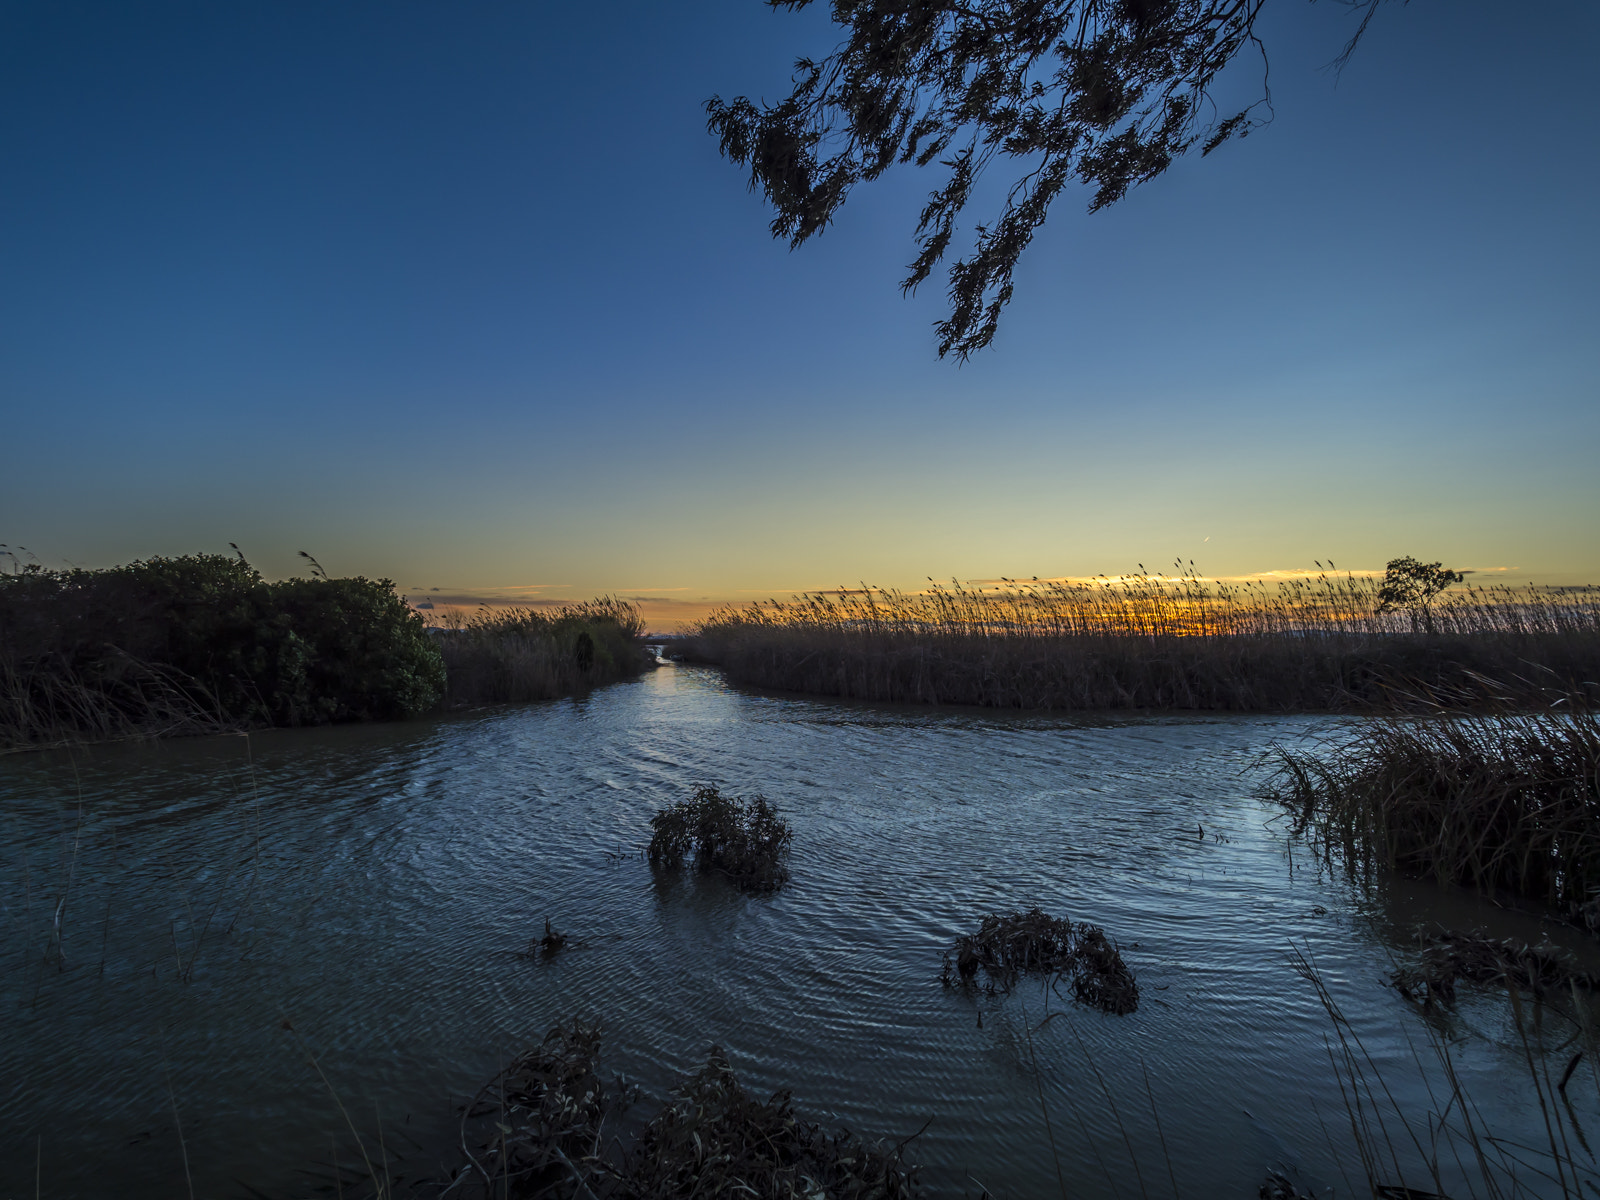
<point x="499" y="656"/>
<point x="1495" y="800"/>
<point x="1153" y="641"/>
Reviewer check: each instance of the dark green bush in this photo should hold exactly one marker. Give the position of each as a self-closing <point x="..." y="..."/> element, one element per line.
<point x="127" y="649"/>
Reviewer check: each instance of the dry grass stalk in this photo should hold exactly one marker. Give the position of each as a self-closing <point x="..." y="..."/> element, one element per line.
<point x="746" y="841"/>
<point x="1159" y="642"/>
<point x="1509" y="800"/>
<point x="542" y="1126"/>
<point x="1033" y="941"/>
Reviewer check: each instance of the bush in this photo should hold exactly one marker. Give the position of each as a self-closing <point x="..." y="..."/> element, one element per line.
<point x="747" y="842"/>
<point x="202" y="641"/>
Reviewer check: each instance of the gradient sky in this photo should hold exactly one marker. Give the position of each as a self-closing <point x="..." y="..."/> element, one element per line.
<point x="462" y="295"/>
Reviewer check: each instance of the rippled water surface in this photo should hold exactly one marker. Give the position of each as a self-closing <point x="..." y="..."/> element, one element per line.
<point x="168" y="908"/>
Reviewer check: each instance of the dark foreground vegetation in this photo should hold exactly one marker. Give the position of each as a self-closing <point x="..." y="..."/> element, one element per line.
<point x="203" y="643"/>
<point x="1333" y="643"/>
<point x="1005" y="948"/>
<point x="1507" y="800"/>
<point x="747" y="842"/>
<point x="549" y="1125"/>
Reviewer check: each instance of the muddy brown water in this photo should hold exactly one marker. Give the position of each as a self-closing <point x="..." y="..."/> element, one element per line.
<point x="168" y="907"/>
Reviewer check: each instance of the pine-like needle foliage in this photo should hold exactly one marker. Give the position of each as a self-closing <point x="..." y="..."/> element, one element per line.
<point x="1104" y="92"/>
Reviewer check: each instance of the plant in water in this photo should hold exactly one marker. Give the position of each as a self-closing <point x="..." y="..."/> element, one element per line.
<point x="747" y="841"/>
<point x="539" y="1129"/>
<point x="1509" y="800"/>
<point x="1006" y="947"/>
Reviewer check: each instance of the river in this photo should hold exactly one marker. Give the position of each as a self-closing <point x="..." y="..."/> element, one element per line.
<point x="171" y="907"/>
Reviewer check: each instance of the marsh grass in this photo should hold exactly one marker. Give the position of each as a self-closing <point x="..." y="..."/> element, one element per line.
<point x="551" y="1125"/>
<point x="500" y="656"/>
<point x="1006" y="947"/>
<point x="1507" y="800"/>
<point x="745" y="841"/>
<point x="1153" y="641"/>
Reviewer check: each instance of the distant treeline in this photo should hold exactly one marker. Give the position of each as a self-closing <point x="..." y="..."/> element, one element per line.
<point x="203" y="643"/>
<point x="1328" y="643"/>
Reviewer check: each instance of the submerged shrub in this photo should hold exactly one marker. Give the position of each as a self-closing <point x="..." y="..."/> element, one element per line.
<point x="1006" y="947"/>
<point x="1445" y="958"/>
<point x="545" y="1126"/>
<point x="745" y="840"/>
<point x="1510" y="800"/>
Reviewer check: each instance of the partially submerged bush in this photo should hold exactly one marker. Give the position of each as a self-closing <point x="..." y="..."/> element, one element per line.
<point x="1033" y="941"/>
<point x="745" y="840"/>
<point x="541" y="1131"/>
<point x="1447" y="958"/>
<point x="714" y="1139"/>
<point x="1505" y="801"/>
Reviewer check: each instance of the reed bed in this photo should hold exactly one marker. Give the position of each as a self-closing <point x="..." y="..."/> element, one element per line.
<point x="1507" y="800"/>
<point x="500" y="656"/>
<point x="1153" y="641"/>
<point x="550" y="1126"/>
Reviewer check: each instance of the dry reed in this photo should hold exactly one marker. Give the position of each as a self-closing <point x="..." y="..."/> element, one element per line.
<point x="1504" y="800"/>
<point x="500" y="656"/>
<point x="1152" y="641"/>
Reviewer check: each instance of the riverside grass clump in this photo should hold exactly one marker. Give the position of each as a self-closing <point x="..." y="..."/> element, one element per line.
<point x="550" y="1126"/>
<point x="500" y="656"/>
<point x="745" y="841"/>
<point x="1330" y="642"/>
<point x="202" y="643"/>
<point x="1006" y="947"/>
<point x="1445" y="958"/>
<point x="1507" y="800"/>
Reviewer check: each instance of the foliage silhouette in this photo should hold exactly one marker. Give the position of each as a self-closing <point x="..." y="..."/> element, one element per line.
<point x="1105" y="93"/>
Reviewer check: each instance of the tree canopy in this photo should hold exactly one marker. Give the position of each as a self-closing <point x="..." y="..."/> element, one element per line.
<point x="1105" y="92"/>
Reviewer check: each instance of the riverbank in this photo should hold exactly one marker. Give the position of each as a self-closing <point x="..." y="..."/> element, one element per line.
<point x="203" y="644"/>
<point x="1153" y="643"/>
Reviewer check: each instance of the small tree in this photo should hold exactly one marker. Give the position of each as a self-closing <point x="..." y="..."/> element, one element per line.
<point x="1410" y="586"/>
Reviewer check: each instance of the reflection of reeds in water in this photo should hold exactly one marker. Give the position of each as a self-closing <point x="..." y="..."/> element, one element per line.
<point x="1451" y="1150"/>
<point x="1501" y="800"/>
<point x="1159" y="642"/>
<point x="511" y="655"/>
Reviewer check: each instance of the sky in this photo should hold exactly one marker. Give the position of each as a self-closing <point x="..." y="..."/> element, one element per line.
<point x="462" y="295"/>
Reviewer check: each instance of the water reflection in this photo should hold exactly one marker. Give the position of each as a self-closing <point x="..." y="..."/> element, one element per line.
<point x="169" y="907"/>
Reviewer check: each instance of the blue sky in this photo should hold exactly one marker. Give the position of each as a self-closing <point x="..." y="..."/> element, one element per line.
<point x="463" y="295"/>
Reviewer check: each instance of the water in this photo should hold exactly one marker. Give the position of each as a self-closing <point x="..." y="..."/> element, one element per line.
<point x="170" y="908"/>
